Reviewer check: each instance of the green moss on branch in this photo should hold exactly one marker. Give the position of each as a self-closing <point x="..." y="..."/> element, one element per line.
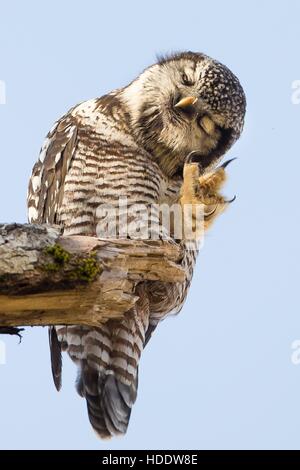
<point x="84" y="269"/>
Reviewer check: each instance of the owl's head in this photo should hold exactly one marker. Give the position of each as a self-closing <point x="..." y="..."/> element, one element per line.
<point x="186" y="102"/>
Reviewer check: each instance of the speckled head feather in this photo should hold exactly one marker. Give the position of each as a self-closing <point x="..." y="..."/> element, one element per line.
<point x="170" y="133"/>
<point x="219" y="87"/>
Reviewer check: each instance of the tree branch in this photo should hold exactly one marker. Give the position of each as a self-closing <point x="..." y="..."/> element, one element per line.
<point x="50" y="279"/>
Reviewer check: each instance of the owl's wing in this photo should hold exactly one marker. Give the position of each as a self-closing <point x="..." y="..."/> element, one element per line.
<point x="46" y="185"/>
<point x="149" y="332"/>
<point x="56" y="359"/>
<point x="45" y="192"/>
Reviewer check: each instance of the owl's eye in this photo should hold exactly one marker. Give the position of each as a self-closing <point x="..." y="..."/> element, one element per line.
<point x="186" y="80"/>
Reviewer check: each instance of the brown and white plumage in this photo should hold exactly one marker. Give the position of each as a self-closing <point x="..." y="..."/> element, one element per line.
<point x="131" y="142"/>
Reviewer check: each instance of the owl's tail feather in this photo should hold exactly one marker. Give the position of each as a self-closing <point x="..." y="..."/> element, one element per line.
<point x="107" y="359"/>
<point x="107" y="401"/>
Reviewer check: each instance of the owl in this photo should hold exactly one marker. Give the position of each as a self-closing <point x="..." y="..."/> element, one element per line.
<point x="157" y="140"/>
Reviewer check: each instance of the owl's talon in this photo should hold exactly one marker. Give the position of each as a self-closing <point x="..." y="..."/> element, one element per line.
<point x="230" y="200"/>
<point x="225" y="164"/>
<point x="193" y="157"/>
<point x="209" y="214"/>
<point x="204" y="161"/>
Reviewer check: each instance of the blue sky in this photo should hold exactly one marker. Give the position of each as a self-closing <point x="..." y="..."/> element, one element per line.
<point x="220" y="375"/>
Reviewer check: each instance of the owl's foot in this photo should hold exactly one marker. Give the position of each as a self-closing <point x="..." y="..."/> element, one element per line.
<point x="201" y="191"/>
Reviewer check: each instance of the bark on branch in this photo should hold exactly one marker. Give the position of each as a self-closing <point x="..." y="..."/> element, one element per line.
<point x="49" y="279"/>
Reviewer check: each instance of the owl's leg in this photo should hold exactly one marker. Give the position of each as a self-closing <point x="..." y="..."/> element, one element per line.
<point x="200" y="193"/>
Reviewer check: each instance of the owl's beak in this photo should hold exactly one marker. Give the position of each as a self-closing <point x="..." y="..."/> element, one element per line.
<point x="185" y="102"/>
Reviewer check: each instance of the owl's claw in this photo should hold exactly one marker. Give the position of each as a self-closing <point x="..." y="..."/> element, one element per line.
<point x="193" y="157"/>
<point x="225" y="164"/>
<point x="203" y="161"/>
<point x="230" y="200"/>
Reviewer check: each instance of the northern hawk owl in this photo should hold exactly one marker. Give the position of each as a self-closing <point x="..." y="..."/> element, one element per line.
<point x="134" y="142"/>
